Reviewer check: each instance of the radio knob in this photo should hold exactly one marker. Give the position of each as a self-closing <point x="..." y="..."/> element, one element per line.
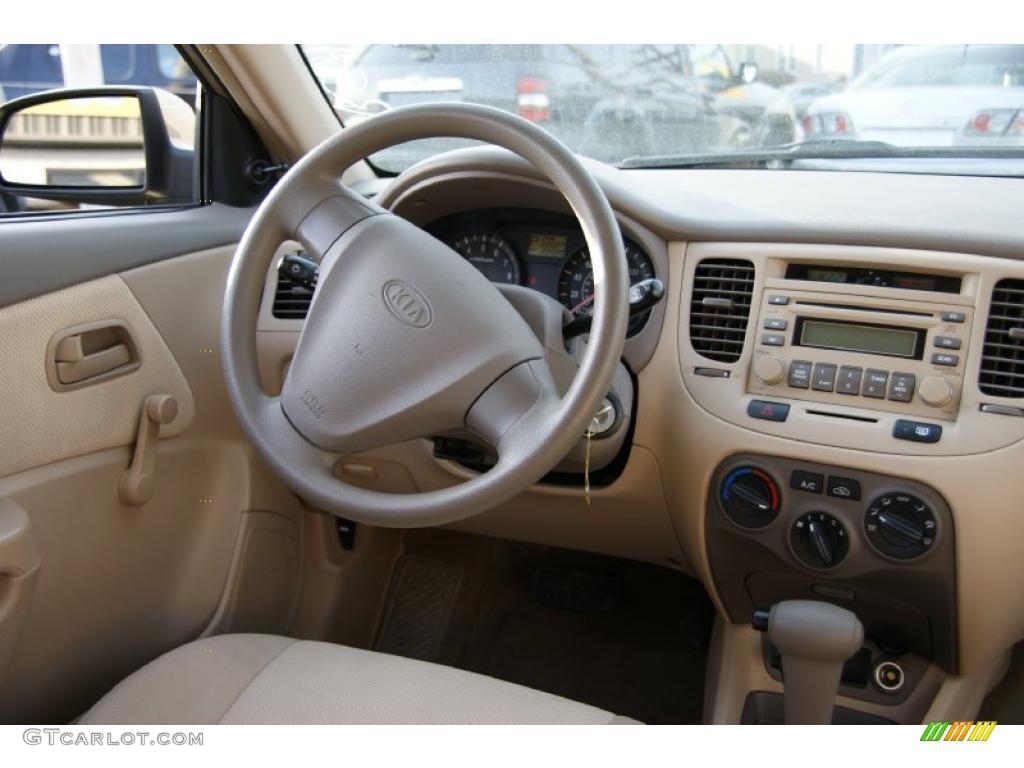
<point x="936" y="391"/>
<point x="769" y="370"/>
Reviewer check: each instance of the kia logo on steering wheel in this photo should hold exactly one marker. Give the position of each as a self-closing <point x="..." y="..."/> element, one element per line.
<point x="407" y="304"/>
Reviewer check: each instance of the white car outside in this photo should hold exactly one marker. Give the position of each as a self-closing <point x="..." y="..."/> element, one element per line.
<point x="930" y="96"/>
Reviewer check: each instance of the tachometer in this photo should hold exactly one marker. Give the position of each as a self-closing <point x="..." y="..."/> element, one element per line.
<point x="492" y="255"/>
<point x="576" y="283"/>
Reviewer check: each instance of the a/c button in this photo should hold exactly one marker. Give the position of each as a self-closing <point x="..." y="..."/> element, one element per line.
<point x="809" y="482"/>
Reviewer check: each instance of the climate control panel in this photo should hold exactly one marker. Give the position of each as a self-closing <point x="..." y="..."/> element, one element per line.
<point x="883" y="546"/>
<point x="896" y="524"/>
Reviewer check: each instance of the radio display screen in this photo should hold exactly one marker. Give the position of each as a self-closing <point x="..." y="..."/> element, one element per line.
<point x="879" y="278"/>
<point x="861" y="337"/>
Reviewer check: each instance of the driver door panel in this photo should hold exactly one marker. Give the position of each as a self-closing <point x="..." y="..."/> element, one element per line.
<point x="92" y="588"/>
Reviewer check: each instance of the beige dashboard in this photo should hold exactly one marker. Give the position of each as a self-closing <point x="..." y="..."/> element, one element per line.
<point x="688" y="424"/>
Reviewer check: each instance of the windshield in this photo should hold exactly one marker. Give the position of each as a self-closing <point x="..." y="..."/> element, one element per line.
<point x="927" y="107"/>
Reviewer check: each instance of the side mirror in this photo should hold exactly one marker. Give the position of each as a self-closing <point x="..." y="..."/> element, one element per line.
<point x="748" y="72"/>
<point x="108" y="146"/>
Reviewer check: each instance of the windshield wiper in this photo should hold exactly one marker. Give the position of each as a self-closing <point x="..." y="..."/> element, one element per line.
<point x="826" y="149"/>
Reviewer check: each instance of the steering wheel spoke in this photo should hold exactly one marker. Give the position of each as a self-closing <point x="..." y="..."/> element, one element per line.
<point x="319" y="212"/>
<point x="510" y="407"/>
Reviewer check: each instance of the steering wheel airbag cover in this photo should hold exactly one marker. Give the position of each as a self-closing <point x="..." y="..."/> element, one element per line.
<point x="390" y="302"/>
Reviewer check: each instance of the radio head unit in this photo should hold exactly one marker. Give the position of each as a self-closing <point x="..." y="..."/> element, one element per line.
<point x="906" y="358"/>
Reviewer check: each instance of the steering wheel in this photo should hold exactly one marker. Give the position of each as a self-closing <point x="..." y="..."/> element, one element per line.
<point x="406" y="339"/>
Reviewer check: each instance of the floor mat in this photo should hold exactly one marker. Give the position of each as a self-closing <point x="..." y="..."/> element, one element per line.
<point x="624" y="636"/>
<point x="419" y="607"/>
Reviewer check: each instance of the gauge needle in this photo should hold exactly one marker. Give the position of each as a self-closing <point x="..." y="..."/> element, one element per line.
<point x="582" y="304"/>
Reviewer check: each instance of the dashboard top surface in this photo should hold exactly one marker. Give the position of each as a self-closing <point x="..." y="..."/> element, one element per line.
<point x="941" y="213"/>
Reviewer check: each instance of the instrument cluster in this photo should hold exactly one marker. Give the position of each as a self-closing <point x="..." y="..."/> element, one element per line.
<point x="537" y="249"/>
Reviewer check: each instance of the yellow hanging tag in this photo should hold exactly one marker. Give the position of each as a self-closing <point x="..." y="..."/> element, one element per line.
<point x="586" y="461"/>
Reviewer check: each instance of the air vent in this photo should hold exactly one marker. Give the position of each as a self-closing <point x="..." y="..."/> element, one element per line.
<point x="1002" y="361"/>
<point x="720" y="306"/>
<point x="291" y="301"/>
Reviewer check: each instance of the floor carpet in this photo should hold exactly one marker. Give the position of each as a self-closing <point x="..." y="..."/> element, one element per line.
<point x="624" y="636"/>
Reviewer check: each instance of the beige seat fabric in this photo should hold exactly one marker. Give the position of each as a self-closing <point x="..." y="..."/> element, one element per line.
<point x="270" y="679"/>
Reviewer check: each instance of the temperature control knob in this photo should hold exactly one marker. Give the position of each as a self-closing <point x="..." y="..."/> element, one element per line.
<point x="769" y="369"/>
<point x="750" y="497"/>
<point x="900" y="526"/>
<point x="819" y="540"/>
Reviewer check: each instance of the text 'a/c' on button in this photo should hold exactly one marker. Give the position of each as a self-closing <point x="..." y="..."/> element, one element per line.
<point x="809" y="482"/>
<point x="769" y="411"/>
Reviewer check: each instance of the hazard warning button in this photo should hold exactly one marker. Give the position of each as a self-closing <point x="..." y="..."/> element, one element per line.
<point x="763" y="409"/>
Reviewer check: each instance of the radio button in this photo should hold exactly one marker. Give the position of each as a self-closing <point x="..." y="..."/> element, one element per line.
<point x="945" y="358"/>
<point x="800" y="374"/>
<point x="936" y="391"/>
<point x="848" y="382"/>
<point x="823" y="379"/>
<point x="901" y="388"/>
<point x="954" y="317"/>
<point x="769" y="370"/>
<point x="946" y="342"/>
<point x="875" y="383"/>
<point x="773" y="339"/>
<point x="775" y="324"/>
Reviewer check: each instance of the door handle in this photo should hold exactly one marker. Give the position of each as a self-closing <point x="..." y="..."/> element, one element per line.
<point x="88" y="354"/>
<point x="73" y="365"/>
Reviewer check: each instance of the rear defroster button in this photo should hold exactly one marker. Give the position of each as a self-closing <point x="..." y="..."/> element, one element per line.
<point x="917" y="431"/>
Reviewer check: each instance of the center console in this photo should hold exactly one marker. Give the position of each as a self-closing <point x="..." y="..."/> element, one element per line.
<point x="842" y="357"/>
<point x="882" y="547"/>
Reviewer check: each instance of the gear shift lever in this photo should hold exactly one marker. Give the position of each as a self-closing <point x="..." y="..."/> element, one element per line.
<point x="815" y="639"/>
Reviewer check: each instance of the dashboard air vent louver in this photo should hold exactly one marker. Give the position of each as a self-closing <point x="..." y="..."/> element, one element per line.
<point x="291" y="301"/>
<point x="1002" y="360"/>
<point x="720" y="306"/>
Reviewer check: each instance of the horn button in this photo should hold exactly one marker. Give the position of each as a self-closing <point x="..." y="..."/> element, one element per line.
<point x="402" y="336"/>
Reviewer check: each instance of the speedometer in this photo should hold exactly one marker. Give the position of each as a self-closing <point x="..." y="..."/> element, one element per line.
<point x="492" y="255"/>
<point x="576" y="283"/>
